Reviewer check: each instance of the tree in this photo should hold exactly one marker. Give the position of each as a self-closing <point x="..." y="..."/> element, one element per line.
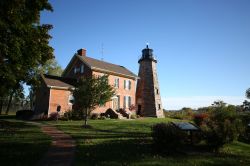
<point x="50" y="67"/>
<point x="219" y="103"/>
<point x="222" y="126"/>
<point x="248" y="93"/>
<point x="91" y="92"/>
<point x="24" y="42"/>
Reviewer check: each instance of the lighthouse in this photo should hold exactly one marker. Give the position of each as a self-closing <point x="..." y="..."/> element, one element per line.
<point x="148" y="98"/>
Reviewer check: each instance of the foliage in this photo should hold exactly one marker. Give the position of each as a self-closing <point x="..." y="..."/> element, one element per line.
<point x="91" y="92"/>
<point x="73" y="115"/>
<point x="246" y="105"/>
<point x="248" y="93"/>
<point x="24" y="114"/>
<point x="223" y="126"/>
<point x="109" y="113"/>
<point x="166" y="137"/>
<point x="184" y="114"/>
<point x="133" y="116"/>
<point x="54" y="116"/>
<point x="24" y="42"/>
<point x="199" y="118"/>
<point x="95" y="116"/>
<point x="129" y="142"/>
<point x="132" y="108"/>
<point x="124" y="113"/>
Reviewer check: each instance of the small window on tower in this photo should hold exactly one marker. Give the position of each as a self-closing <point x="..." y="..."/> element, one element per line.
<point x="159" y="106"/>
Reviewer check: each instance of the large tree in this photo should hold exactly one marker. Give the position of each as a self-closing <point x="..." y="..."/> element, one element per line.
<point x="51" y="67"/>
<point x="91" y="92"/>
<point x="24" y="43"/>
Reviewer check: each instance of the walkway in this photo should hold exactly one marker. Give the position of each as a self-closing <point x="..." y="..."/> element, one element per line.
<point x="62" y="149"/>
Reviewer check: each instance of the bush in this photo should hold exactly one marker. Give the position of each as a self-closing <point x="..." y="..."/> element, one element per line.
<point x="133" y="116"/>
<point x="223" y="126"/>
<point x="124" y="113"/>
<point x="200" y="118"/>
<point x="111" y="114"/>
<point x="74" y="115"/>
<point x="54" y="116"/>
<point x="24" y="114"/>
<point x="166" y="137"/>
<point x="95" y="116"/>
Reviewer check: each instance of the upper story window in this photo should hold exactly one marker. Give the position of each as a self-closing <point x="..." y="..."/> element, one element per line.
<point x="127" y="84"/>
<point x="116" y="83"/>
<point x="76" y="70"/>
<point x="79" y="69"/>
<point x="82" y="69"/>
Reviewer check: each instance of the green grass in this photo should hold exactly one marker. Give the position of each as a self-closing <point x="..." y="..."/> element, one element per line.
<point x="21" y="143"/>
<point x="128" y="142"/>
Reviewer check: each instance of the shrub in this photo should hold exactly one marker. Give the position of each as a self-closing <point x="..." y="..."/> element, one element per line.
<point x="124" y="113"/>
<point x="166" y="137"/>
<point x="24" y="114"/>
<point x="111" y="114"/>
<point x="133" y="116"/>
<point x="54" y="116"/>
<point x="74" y="115"/>
<point x="223" y="126"/>
<point x="200" y="118"/>
<point x="95" y="116"/>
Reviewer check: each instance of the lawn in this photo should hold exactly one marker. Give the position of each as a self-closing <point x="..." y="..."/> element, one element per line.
<point x="21" y="143"/>
<point x="128" y="142"/>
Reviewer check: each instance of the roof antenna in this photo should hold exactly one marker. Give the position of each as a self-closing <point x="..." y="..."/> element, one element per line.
<point x="102" y="51"/>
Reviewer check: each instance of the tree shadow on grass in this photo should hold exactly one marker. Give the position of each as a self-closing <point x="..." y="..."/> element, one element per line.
<point x="114" y="152"/>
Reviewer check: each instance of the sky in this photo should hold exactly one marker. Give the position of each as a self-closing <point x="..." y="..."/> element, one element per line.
<point x="202" y="46"/>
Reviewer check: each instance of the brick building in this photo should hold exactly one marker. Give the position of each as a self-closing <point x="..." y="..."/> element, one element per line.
<point x="55" y="93"/>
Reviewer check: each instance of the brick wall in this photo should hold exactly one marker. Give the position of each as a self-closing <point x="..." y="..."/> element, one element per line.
<point x="59" y="97"/>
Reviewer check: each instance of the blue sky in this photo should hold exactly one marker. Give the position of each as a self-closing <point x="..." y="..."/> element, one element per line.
<point x="202" y="46"/>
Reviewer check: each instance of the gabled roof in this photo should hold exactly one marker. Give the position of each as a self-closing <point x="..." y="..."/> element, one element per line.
<point x="95" y="64"/>
<point x="58" y="82"/>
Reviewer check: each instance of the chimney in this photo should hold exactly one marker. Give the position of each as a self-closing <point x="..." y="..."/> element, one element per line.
<point x="81" y="52"/>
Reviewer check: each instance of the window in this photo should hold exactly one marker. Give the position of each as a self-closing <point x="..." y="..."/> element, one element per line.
<point x="127" y="84"/>
<point x="82" y="69"/>
<point x="157" y="91"/>
<point x="117" y="82"/>
<point x="118" y="96"/>
<point x="126" y="101"/>
<point x="159" y="106"/>
<point x="76" y="70"/>
<point x="71" y="99"/>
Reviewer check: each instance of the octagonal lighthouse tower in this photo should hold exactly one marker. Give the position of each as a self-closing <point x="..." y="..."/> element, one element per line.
<point x="148" y="98"/>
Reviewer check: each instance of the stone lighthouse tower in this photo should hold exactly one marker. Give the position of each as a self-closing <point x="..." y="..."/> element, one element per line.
<point x="148" y="98"/>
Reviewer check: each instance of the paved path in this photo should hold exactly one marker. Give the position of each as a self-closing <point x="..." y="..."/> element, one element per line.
<point x="62" y="149"/>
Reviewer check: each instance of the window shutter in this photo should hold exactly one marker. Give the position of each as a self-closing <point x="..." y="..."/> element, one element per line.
<point x="129" y="101"/>
<point x="117" y="82"/>
<point x="129" y="86"/>
<point x="124" y="84"/>
<point x="118" y="101"/>
<point x="124" y="102"/>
